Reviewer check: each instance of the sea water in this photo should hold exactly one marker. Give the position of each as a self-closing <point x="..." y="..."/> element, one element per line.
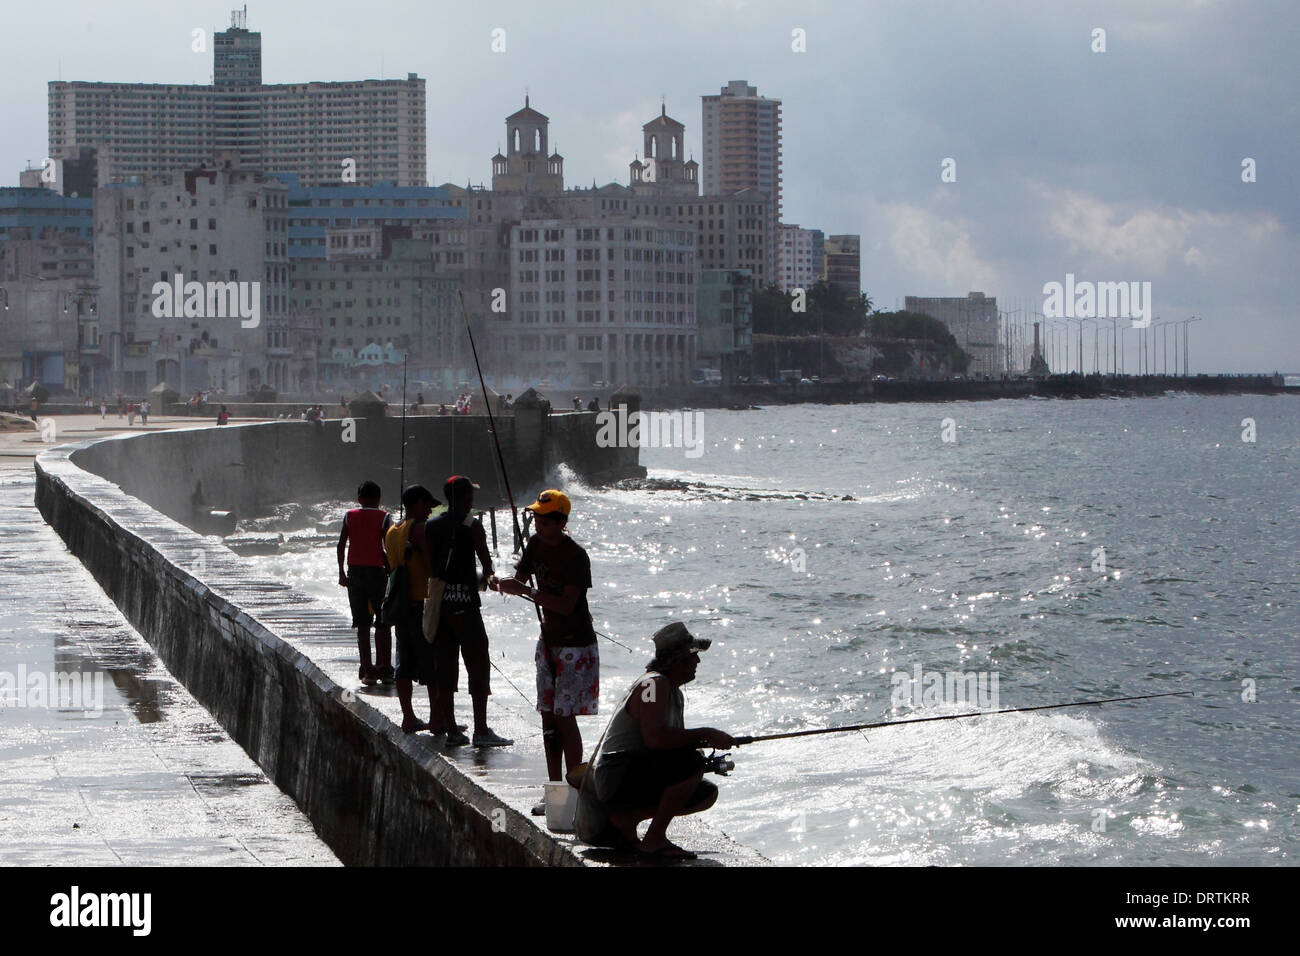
<point x="845" y="559"/>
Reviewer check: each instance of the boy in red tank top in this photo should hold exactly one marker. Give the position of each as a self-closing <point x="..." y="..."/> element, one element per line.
<point x="365" y="579"/>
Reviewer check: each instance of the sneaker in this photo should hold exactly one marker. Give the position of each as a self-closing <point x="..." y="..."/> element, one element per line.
<point x="456" y="739"/>
<point x="539" y="809"/>
<point x="385" y="674"/>
<point x="367" y="675"/>
<point x="487" y="738"/>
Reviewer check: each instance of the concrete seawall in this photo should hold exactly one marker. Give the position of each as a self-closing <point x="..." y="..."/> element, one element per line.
<point x="375" y="795"/>
<point x="249" y="468"/>
<point x="255" y="653"/>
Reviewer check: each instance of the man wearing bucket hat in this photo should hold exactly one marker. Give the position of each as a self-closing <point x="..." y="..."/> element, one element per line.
<point x="568" y="665"/>
<point x="648" y="765"/>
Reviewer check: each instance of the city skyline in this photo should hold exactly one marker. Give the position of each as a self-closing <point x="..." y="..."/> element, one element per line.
<point x="1122" y="165"/>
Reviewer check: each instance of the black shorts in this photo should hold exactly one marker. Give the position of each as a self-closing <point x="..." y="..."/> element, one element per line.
<point x="414" y="657"/>
<point x="365" y="593"/>
<point x="458" y="635"/>
<point x="646" y="774"/>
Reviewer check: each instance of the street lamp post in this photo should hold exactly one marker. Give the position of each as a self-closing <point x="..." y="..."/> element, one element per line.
<point x="1185" y="324"/>
<point x="1010" y="330"/>
<point x="1080" y="320"/>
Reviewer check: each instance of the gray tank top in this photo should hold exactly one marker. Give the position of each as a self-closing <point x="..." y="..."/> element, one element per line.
<point x="624" y="734"/>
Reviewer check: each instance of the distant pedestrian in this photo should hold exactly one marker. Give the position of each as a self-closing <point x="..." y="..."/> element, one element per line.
<point x="144" y="413"/>
<point x="34" y="407"/>
<point x="577" y="403"/>
<point x="103" y="409"/>
<point x="343" y="407"/>
<point x="130" y="415"/>
<point x="442" y="409"/>
<point x="594" y="405"/>
<point x="362" y="538"/>
<point x="223" y="416"/>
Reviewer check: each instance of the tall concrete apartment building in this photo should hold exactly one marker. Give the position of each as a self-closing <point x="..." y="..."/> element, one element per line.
<point x="324" y="132"/>
<point x="742" y="143"/>
<point x="210" y="226"/>
<point x="844" y="264"/>
<point x="973" y="322"/>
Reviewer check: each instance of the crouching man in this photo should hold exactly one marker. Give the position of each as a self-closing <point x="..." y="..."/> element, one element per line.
<point x="648" y="765"/>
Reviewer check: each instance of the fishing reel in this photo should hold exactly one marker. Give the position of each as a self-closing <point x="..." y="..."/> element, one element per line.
<point x="721" y="764"/>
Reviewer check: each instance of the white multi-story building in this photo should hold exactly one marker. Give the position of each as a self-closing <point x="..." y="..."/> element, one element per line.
<point x="224" y="228"/>
<point x="796" y="259"/>
<point x="327" y="133"/>
<point x="594" y="301"/>
<point x="973" y="322"/>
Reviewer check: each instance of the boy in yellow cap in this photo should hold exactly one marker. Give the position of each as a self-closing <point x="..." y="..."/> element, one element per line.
<point x="568" y="665"/>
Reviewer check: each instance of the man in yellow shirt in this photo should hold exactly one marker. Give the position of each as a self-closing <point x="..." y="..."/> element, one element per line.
<point x="404" y="545"/>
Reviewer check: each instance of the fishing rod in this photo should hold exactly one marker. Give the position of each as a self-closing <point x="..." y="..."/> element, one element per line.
<point x="496" y="440"/>
<point x="401" y="480"/>
<point x="741" y="741"/>
<point x="492" y="424"/>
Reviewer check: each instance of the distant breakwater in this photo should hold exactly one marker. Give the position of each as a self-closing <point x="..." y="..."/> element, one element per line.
<point x="903" y="390"/>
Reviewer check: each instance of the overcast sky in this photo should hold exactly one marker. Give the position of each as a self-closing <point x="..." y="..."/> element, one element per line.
<point x="1122" y="165"/>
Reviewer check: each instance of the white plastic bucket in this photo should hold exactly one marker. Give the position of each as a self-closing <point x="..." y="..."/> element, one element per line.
<point x="561" y="806"/>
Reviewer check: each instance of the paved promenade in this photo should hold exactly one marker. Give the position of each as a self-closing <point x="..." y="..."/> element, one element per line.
<point x="119" y="765"/>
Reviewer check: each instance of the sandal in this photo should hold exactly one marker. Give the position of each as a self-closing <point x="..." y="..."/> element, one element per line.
<point x="669" y="851"/>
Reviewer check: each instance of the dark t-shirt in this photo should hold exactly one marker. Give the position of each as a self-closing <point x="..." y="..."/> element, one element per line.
<point x="461" y="573"/>
<point x="555" y="568"/>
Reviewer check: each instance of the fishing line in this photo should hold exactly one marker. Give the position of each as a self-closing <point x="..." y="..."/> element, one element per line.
<point x="532" y="705"/>
<point x="741" y="741"/>
<point x="596" y="632"/>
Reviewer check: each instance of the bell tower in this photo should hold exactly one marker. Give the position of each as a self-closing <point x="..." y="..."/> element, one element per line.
<point x="526" y="166"/>
<point x="664" y="169"/>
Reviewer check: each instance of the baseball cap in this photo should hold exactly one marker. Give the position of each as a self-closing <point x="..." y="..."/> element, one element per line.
<point x="673" y="640"/>
<point x="414" y="494"/>
<point x="549" y="502"/>
<point x="456" y="484"/>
